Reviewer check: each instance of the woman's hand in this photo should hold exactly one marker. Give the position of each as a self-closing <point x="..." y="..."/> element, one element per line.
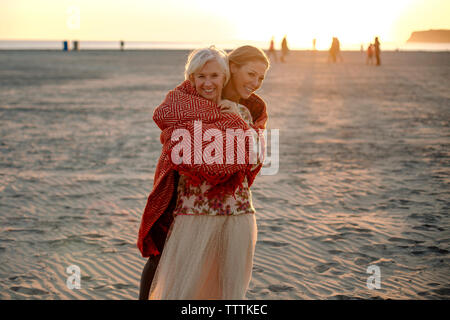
<point x="227" y="106"/>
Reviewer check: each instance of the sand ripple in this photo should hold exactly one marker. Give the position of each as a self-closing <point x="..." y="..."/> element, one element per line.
<point x="363" y="179"/>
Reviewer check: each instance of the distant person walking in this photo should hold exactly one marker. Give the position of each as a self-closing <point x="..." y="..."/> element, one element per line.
<point x="370" y="50"/>
<point x="335" y="51"/>
<point x="284" y="49"/>
<point x="377" y="51"/>
<point x="272" y="50"/>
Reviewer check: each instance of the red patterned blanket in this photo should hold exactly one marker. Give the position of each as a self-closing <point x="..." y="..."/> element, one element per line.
<point x="185" y="111"/>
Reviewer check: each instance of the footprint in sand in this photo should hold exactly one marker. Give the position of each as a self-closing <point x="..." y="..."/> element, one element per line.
<point x="121" y="286"/>
<point x="442" y="291"/>
<point x="275" y="228"/>
<point x="335" y="252"/>
<point x="324" y="267"/>
<point x="29" y="291"/>
<point x="258" y="269"/>
<point x="361" y="262"/>
<point x="118" y="286"/>
<point x="280" y="288"/>
<point x="22" y="277"/>
<point x="273" y="243"/>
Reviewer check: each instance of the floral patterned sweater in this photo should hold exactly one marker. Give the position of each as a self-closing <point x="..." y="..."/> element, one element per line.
<point x="191" y="200"/>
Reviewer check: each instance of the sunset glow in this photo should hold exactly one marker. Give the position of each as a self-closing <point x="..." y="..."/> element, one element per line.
<point x="353" y="22"/>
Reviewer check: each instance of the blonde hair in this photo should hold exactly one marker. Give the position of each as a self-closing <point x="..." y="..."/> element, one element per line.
<point x="244" y="54"/>
<point x="199" y="57"/>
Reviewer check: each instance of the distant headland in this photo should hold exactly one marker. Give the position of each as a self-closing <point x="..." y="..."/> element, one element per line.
<point x="436" y="36"/>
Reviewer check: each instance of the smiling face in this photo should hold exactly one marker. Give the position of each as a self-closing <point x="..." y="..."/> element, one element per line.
<point x="209" y="81"/>
<point x="248" y="77"/>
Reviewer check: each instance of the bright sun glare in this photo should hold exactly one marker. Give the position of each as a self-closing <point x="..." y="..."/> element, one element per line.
<point x="230" y="22"/>
<point x="352" y="21"/>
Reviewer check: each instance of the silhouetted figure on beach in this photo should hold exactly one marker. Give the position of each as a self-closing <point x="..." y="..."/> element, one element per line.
<point x="122" y="44"/>
<point x="370" y="50"/>
<point x="284" y="49"/>
<point x="377" y="51"/>
<point x="335" y="51"/>
<point x="66" y="45"/>
<point x="272" y="50"/>
<point x="76" y="46"/>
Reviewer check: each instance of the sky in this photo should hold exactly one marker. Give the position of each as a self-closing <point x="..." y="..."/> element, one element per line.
<point x="354" y="22"/>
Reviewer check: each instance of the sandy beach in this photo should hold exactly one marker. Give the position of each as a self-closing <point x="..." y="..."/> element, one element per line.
<point x="363" y="180"/>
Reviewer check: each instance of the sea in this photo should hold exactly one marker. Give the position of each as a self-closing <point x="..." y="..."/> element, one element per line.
<point x="148" y="45"/>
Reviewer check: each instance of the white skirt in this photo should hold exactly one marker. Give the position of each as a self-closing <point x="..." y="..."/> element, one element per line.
<point x="206" y="257"/>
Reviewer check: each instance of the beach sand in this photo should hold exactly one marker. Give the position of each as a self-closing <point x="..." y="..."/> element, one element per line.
<point x="363" y="174"/>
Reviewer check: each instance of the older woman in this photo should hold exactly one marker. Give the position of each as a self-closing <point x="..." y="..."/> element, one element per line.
<point x="209" y="245"/>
